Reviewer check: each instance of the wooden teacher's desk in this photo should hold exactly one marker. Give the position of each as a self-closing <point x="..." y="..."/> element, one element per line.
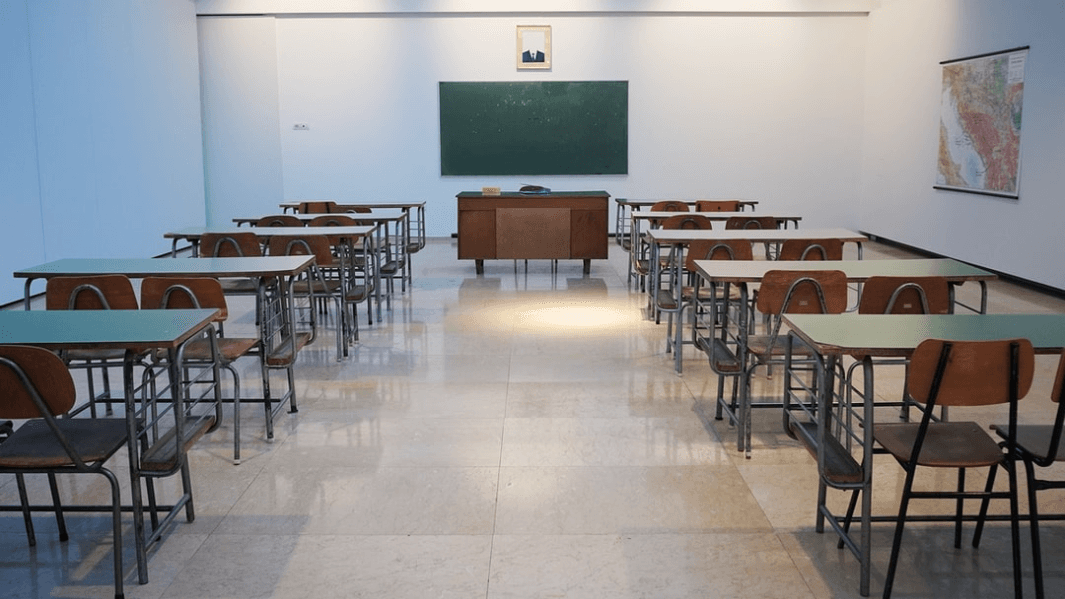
<point x="520" y="226"/>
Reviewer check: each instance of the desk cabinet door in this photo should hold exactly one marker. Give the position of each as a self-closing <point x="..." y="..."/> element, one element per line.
<point x="477" y="234"/>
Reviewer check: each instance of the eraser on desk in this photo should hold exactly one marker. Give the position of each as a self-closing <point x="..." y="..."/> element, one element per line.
<point x="491" y="191"/>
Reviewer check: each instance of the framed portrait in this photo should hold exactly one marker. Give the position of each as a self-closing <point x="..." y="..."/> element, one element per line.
<point x="534" y="47"/>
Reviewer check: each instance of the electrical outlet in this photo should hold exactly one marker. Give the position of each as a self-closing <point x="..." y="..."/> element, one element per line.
<point x="300" y="126"/>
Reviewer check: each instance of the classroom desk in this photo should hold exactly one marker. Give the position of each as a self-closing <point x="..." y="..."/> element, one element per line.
<point x="742" y="273"/>
<point x="638" y="250"/>
<point x="337" y="235"/>
<point x="871" y="336"/>
<point x="276" y="312"/>
<point x="385" y="220"/>
<point x="676" y="238"/>
<point x="415" y="217"/>
<point x="130" y="330"/>
<point x="626" y="207"/>
<point x="560" y="225"/>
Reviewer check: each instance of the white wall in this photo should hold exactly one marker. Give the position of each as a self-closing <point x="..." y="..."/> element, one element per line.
<point x="242" y="146"/>
<point x="762" y="106"/>
<point x="907" y="40"/>
<point x="102" y="152"/>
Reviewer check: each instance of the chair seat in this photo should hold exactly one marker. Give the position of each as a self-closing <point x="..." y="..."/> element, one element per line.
<point x="946" y="445"/>
<point x="358" y="293"/>
<point x="242" y="286"/>
<point x="230" y="348"/>
<point x="162" y="456"/>
<point x="764" y="347"/>
<point x="33" y="445"/>
<point x="1033" y="438"/>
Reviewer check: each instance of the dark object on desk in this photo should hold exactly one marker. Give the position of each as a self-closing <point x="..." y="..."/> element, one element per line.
<point x="534" y="189"/>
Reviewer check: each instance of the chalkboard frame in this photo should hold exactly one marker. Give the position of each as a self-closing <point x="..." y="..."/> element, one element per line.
<point x="533" y="128"/>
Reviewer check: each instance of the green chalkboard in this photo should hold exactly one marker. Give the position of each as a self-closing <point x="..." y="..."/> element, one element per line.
<point x="534" y="128"/>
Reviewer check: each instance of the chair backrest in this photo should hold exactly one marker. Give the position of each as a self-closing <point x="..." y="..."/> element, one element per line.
<point x="184" y="292"/>
<point x="803" y="292"/>
<point x="95" y="292"/>
<point x="717" y="206"/>
<point x="230" y="245"/>
<point x="811" y="249"/>
<point x="303" y="245"/>
<point x="26" y="370"/>
<point x="905" y="295"/>
<point x="751" y="222"/>
<point x="332" y="220"/>
<point x="279" y="220"/>
<point x="687" y="221"/>
<point x="669" y="206"/>
<point x="729" y="249"/>
<point x="970" y="373"/>
<point x="317" y="207"/>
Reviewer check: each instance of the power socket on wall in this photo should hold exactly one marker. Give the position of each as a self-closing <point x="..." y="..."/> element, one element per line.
<point x="300" y="126"/>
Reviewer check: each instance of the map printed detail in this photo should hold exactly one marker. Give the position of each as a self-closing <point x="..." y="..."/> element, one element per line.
<point x="980" y="124"/>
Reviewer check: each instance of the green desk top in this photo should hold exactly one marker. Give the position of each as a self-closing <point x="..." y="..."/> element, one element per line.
<point x="752" y="271"/>
<point x="374" y="216"/>
<point x="139" y="268"/>
<point x="96" y="329"/>
<point x="518" y="194"/>
<point x="716" y="216"/>
<point x="639" y="203"/>
<point x="898" y="335"/>
<point x="266" y="232"/>
<point x="671" y="236"/>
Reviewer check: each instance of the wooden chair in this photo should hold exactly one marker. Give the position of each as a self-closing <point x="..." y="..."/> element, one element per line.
<point x="205" y="292"/>
<point x="97" y="292"/>
<point x="317" y="207"/>
<point x="959" y="374"/>
<point x="682" y="284"/>
<point x="687" y="221"/>
<point x="751" y="222"/>
<point x="1037" y="446"/>
<point x="37" y="386"/>
<point x="279" y="220"/>
<point x="316" y="286"/>
<point x="899" y="295"/>
<point x="780" y="292"/>
<point x="717" y="206"/>
<point x="332" y="220"/>
<point x="905" y="295"/>
<point x="669" y="206"/>
<point x="811" y="249"/>
<point x="233" y="245"/>
<point x="360" y="261"/>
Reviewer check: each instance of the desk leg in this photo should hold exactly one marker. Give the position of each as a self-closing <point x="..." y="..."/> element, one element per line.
<point x="134" y="469"/>
<point x="479" y="266"/>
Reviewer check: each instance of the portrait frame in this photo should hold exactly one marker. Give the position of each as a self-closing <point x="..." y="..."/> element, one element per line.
<point x="537" y="40"/>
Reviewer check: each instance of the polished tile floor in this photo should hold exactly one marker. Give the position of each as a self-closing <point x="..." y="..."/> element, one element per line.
<point x="513" y="435"/>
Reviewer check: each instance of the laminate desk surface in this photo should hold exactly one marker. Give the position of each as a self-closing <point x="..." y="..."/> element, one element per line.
<point x="898" y="335"/>
<point x="195" y="233"/>
<point x="93" y="329"/>
<point x="374" y="216"/>
<point x="752" y="271"/>
<point x="714" y="216"/>
<point x="294" y="206"/>
<point x="670" y="236"/>
<point x="139" y="268"/>
<point x="637" y="203"/>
